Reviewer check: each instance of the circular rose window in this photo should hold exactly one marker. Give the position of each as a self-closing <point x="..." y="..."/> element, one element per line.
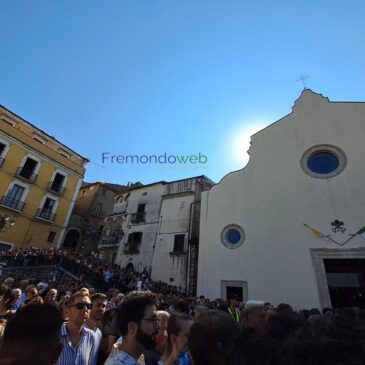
<point x="232" y="236"/>
<point x="323" y="161"/>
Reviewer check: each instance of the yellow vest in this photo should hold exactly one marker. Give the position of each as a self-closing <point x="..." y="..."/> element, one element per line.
<point x="235" y="314"/>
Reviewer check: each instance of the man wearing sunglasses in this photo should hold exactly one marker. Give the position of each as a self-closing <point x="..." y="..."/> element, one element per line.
<point x="78" y="341"/>
<point x="138" y="324"/>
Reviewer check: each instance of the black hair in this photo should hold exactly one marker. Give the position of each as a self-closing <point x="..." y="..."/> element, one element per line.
<point x="213" y="339"/>
<point x="33" y="336"/>
<point x="98" y="296"/>
<point x="284" y="308"/>
<point x="181" y="306"/>
<point x="132" y="308"/>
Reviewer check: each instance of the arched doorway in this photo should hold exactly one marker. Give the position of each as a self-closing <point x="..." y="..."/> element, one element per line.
<point x="130" y="267"/>
<point x="72" y="239"/>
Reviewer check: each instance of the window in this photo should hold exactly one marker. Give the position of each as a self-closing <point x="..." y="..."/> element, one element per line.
<point x="232" y="236"/>
<point x="135" y="237"/>
<point x="56" y="184"/>
<point x="140" y="209"/>
<point x="28" y="169"/>
<point x="2" y="148"/>
<point x="100" y="230"/>
<point x="47" y="211"/>
<point x="139" y="217"/>
<point x="133" y="243"/>
<point x="51" y="236"/>
<point x="83" y="193"/>
<point x="13" y="198"/>
<point x="98" y="209"/>
<point x="6" y="246"/>
<point x="323" y="161"/>
<point x="179" y="243"/>
<point x="2" y="152"/>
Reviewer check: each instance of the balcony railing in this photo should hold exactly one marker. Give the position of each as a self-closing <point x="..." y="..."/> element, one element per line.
<point x="131" y="248"/>
<point x="98" y="213"/>
<point x="56" y="188"/>
<point x="138" y="217"/>
<point x="46" y="214"/>
<point x="2" y="161"/>
<point x="26" y="174"/>
<point x="10" y="202"/>
<point x="111" y="240"/>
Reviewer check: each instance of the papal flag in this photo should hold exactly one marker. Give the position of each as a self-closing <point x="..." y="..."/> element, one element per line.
<point x="316" y="233"/>
<point x="362" y="232"/>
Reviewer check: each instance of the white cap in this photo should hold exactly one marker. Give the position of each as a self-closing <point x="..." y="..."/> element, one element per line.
<point x="254" y="304"/>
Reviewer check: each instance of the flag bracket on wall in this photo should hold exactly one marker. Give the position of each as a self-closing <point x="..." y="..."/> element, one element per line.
<point x="327" y="237"/>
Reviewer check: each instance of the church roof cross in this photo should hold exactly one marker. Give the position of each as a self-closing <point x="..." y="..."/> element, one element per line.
<point x="302" y="78"/>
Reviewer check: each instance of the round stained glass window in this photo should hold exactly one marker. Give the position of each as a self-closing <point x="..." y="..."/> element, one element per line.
<point x="232" y="236"/>
<point x="323" y="161"/>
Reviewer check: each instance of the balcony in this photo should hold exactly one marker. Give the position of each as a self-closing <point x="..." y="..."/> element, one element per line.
<point x="138" y="217"/>
<point x="26" y="175"/>
<point x="56" y="188"/>
<point x="131" y="248"/>
<point x="109" y="241"/>
<point x="2" y="161"/>
<point x="46" y="215"/>
<point x="12" y="203"/>
<point x="98" y="213"/>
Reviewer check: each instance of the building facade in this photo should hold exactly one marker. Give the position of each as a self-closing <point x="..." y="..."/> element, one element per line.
<point x="95" y="201"/>
<point x="287" y="227"/>
<point x="159" y="228"/>
<point x="139" y="209"/>
<point x="175" y="258"/>
<point x="39" y="182"/>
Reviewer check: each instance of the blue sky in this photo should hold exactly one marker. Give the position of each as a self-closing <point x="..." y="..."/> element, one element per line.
<point x="148" y="77"/>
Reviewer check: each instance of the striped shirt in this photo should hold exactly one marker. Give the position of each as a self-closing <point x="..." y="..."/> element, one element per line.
<point x="82" y="354"/>
<point x="97" y="336"/>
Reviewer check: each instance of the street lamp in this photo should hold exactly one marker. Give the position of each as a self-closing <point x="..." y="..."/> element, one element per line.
<point x="6" y="221"/>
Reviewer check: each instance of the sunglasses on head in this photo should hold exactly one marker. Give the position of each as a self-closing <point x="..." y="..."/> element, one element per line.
<point x="82" y="305"/>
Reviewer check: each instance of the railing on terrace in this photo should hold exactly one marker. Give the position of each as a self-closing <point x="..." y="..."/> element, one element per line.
<point x="92" y="277"/>
<point x="21" y="260"/>
<point x="66" y="264"/>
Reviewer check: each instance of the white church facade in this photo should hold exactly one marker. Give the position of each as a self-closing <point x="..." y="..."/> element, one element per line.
<point x="287" y="227"/>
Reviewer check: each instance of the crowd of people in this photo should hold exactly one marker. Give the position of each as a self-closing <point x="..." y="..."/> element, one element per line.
<point x="63" y="322"/>
<point x="112" y="275"/>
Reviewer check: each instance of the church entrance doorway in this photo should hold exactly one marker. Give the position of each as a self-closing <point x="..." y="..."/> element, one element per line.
<point x="230" y="288"/>
<point x="235" y="291"/>
<point x="346" y="282"/>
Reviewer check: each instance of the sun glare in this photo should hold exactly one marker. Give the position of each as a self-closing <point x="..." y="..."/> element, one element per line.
<point x="242" y="140"/>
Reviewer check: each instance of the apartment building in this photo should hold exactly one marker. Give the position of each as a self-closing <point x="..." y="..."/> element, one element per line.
<point x="39" y="182"/>
<point x="155" y="228"/>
